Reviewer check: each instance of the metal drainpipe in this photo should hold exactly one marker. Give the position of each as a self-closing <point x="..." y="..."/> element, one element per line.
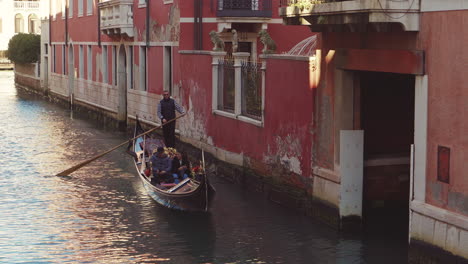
<point x="50" y="25"/>
<point x="147" y="23"/>
<point x="195" y="28"/>
<point x="66" y="23"/>
<point x="200" y="25"/>
<point x="50" y="30"/>
<point x="99" y="25"/>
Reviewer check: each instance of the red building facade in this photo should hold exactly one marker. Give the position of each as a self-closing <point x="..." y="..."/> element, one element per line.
<point x="371" y="124"/>
<point x="392" y="72"/>
<point x="116" y="57"/>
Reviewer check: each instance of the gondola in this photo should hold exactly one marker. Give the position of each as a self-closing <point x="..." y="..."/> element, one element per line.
<point x="191" y="194"/>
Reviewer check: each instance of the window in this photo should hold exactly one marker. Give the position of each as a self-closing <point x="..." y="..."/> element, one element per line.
<point x="81" y="61"/>
<point x="46" y="49"/>
<point x="80" y="7"/>
<point x="63" y="60"/>
<point x="70" y="8"/>
<point x="54" y="59"/>
<point x="63" y="3"/>
<point x="131" y="66"/>
<point x="33" y="24"/>
<point x="53" y="8"/>
<point x="141" y="3"/>
<point x="105" y="72"/>
<point x="114" y="65"/>
<point x="89" y="7"/>
<point x="90" y="63"/>
<point x="251" y="90"/>
<point x="238" y="90"/>
<point x="142" y="68"/>
<point x="226" y="85"/>
<point x="167" y="64"/>
<point x="19" y="23"/>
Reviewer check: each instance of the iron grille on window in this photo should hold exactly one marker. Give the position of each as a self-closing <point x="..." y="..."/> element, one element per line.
<point x="251" y="90"/>
<point x="226" y="85"/>
<point x="244" y="8"/>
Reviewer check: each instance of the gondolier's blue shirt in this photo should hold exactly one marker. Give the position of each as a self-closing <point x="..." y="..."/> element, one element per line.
<point x="161" y="163"/>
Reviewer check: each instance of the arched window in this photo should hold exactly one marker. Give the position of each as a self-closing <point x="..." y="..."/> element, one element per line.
<point x="19" y="23"/>
<point x="33" y="24"/>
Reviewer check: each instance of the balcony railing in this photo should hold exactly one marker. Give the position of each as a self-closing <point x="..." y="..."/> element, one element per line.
<point x="26" y="5"/>
<point x="116" y="17"/>
<point x="284" y="3"/>
<point x="325" y="13"/>
<point x="244" y="8"/>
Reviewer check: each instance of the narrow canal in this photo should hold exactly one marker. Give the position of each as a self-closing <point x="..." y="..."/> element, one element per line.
<point x="101" y="214"/>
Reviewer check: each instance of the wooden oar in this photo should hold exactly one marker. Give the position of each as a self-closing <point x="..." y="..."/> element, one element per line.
<point x="82" y="164"/>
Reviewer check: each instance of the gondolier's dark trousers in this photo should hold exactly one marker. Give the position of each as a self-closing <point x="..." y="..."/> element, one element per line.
<point x="169" y="134"/>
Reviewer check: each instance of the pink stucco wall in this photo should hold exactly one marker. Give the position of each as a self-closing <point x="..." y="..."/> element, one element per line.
<point x="444" y="36"/>
<point x="289" y="110"/>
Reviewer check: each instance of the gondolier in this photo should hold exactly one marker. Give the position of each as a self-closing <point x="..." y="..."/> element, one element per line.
<point x="166" y="111"/>
<point x="188" y="194"/>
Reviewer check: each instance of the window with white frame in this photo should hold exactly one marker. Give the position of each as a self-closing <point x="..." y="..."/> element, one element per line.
<point x="105" y="72"/>
<point x="226" y="85"/>
<point x="81" y="61"/>
<point x="19" y="24"/>
<point x="142" y="60"/>
<point x="80" y="7"/>
<point x="90" y="63"/>
<point x="141" y="3"/>
<point x="238" y="90"/>
<point x="53" y="8"/>
<point x="70" y="8"/>
<point x="251" y="89"/>
<point x="89" y="7"/>
<point x="63" y="3"/>
<point x="33" y="24"/>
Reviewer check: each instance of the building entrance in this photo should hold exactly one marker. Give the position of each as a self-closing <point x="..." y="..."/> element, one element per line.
<point x="387" y="118"/>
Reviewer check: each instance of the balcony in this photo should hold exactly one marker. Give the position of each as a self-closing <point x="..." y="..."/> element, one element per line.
<point x="244" y="8"/>
<point x="26" y="5"/>
<point x="352" y="15"/>
<point x="116" y="17"/>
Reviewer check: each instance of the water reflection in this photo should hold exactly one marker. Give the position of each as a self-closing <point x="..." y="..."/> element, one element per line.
<point x="102" y="214"/>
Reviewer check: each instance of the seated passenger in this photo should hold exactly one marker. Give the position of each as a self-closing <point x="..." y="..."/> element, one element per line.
<point x="161" y="165"/>
<point x="180" y="167"/>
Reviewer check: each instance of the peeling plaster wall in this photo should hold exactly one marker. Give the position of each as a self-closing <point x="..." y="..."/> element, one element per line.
<point x="283" y="144"/>
<point x="166" y="30"/>
<point x="164" y="22"/>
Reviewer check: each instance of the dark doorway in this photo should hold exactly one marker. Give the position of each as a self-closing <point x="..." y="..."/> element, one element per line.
<point x="387" y="118"/>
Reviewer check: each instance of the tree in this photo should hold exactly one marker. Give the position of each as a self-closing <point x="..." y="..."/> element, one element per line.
<point x="24" y="48"/>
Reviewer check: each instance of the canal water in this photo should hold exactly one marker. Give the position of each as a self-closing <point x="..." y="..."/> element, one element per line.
<point x="101" y="213"/>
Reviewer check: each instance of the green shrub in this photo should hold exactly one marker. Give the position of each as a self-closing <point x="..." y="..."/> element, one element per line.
<point x="24" y="48"/>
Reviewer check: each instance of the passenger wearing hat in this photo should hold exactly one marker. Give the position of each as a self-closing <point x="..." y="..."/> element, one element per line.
<point x="161" y="165"/>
